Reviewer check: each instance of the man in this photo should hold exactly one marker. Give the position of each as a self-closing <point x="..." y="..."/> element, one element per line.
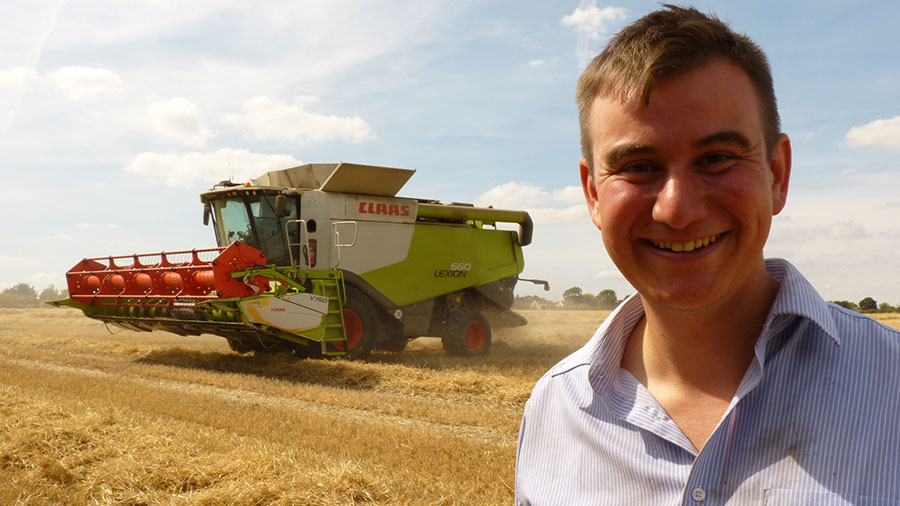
<point x="726" y="379"/>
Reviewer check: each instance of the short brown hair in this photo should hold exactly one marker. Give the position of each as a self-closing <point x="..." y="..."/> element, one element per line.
<point x="665" y="43"/>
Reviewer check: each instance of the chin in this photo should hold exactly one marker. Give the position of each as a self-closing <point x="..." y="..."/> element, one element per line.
<point x="683" y="297"/>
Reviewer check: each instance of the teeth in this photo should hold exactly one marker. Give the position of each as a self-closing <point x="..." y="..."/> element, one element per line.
<point x="686" y="246"/>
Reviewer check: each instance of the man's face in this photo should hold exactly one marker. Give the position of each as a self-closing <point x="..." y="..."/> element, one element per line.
<point x="683" y="190"/>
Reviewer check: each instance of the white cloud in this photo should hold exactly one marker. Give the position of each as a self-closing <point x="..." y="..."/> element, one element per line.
<point x="18" y="79"/>
<point x="16" y="261"/>
<point x="91" y="23"/>
<point x="557" y="216"/>
<point x="268" y="119"/>
<point x="96" y="226"/>
<point x="570" y="195"/>
<point x="806" y="234"/>
<point x="843" y="238"/>
<point x="25" y="27"/>
<point x="594" y="21"/>
<point x="85" y="83"/>
<point x="608" y="275"/>
<point x="546" y="207"/>
<point x="63" y="237"/>
<point x="881" y="132"/>
<point x="513" y="195"/>
<point x="187" y="168"/>
<point x="48" y="278"/>
<point x="14" y="82"/>
<point x="181" y="120"/>
<point x="537" y="62"/>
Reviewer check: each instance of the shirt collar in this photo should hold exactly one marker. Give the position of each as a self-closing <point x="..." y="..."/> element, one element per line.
<point x="797" y="297"/>
<point x="603" y="352"/>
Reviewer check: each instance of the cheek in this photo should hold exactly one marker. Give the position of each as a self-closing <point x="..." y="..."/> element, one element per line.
<point x="620" y="206"/>
<point x="620" y="196"/>
<point x="747" y="202"/>
<point x="747" y="195"/>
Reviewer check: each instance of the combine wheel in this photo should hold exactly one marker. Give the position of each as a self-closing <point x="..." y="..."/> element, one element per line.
<point x="466" y="333"/>
<point x="360" y="324"/>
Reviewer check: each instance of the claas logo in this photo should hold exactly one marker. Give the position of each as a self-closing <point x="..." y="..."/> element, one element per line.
<point x="384" y="209"/>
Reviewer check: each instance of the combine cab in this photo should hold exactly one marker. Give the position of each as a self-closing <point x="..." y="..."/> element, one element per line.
<point x="321" y="259"/>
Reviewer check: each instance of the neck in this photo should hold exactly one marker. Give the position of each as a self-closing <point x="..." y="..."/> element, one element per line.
<point x="697" y="346"/>
<point x="693" y="361"/>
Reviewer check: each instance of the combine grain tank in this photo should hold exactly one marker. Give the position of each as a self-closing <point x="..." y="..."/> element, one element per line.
<point x="321" y="259"/>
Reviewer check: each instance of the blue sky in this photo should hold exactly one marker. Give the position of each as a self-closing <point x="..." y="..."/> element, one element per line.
<point x="114" y="116"/>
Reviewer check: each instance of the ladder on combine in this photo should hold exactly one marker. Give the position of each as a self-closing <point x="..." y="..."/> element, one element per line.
<point x="334" y="341"/>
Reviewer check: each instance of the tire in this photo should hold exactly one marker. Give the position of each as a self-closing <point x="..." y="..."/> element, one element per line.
<point x="360" y="324"/>
<point x="466" y="333"/>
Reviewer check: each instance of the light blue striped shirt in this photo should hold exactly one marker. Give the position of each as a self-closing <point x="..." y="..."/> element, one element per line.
<point x="816" y="419"/>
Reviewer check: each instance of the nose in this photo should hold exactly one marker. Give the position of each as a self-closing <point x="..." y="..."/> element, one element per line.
<point x="680" y="201"/>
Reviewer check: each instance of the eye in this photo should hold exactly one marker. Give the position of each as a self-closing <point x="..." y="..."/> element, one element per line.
<point x="638" y="168"/>
<point x="715" y="161"/>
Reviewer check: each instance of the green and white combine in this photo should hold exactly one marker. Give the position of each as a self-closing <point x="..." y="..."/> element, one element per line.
<point x="322" y="259"/>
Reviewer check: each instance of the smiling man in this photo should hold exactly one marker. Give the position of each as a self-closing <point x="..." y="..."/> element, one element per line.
<point x="726" y="379"/>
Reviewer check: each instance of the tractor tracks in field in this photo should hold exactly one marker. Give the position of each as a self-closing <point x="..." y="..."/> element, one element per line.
<point x="122" y="372"/>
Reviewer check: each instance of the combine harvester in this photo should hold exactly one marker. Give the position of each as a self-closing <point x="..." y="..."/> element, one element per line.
<point x="324" y="260"/>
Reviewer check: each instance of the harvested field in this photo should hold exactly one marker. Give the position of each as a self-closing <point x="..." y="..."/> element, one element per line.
<point x="89" y="416"/>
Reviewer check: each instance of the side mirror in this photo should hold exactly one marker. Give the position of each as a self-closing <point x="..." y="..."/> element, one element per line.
<point x="207" y="212"/>
<point x="281" y="206"/>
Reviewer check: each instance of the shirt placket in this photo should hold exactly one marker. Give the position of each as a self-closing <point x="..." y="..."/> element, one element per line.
<point x="703" y="483"/>
<point x="701" y="487"/>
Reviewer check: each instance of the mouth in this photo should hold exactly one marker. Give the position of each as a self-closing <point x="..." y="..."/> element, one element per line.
<point x="687" y="246"/>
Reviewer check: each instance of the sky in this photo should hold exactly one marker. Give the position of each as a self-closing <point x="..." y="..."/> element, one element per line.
<point x="114" y="116"/>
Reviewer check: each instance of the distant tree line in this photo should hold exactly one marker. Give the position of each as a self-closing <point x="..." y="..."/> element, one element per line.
<point x="24" y="295"/>
<point x="573" y="298"/>
<point x="868" y="305"/>
<point x="576" y="298"/>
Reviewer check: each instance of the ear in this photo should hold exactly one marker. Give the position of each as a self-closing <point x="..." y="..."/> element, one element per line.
<point x="781" y="172"/>
<point x="590" y="191"/>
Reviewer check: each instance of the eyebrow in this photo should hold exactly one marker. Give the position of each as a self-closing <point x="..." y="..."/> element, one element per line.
<point x="612" y="158"/>
<point x="724" y="137"/>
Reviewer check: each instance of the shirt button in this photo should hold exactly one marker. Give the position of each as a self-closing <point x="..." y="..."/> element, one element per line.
<point x="698" y="494"/>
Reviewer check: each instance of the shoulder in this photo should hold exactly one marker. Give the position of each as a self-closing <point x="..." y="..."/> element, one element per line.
<point x="798" y="298"/>
<point x="853" y="351"/>
<point x="602" y="352"/>
<point x="570" y="385"/>
<point x="849" y="318"/>
<point x="569" y="374"/>
<point x="860" y="330"/>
